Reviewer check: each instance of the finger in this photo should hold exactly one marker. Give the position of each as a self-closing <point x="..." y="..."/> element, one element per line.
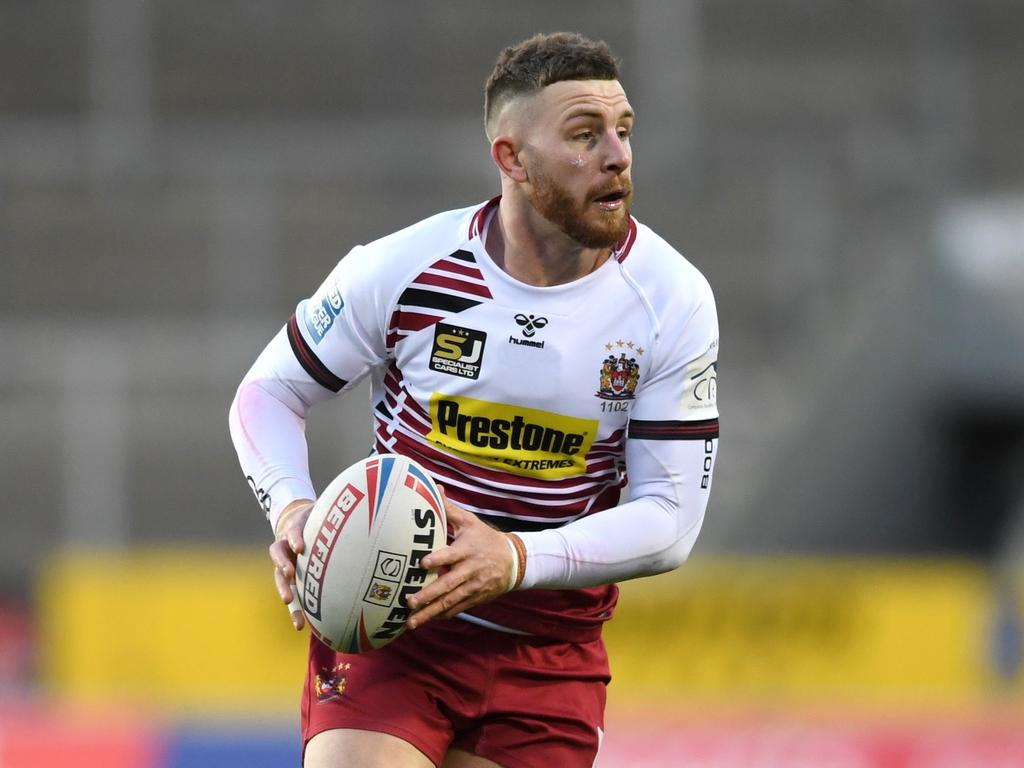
<point x="464" y="605"/>
<point x="285" y="587"/>
<point x="436" y="590"/>
<point x="289" y="595"/>
<point x="283" y="558"/>
<point x="447" y="555"/>
<point x="295" y="609"/>
<point x="294" y="535"/>
<point x="446" y="607"/>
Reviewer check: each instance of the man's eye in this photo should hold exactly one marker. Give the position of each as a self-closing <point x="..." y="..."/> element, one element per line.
<point x="584" y="136"/>
<point x="624" y="133"/>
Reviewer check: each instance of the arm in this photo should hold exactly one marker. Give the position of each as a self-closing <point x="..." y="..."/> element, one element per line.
<point x="328" y="345"/>
<point x="267" y="421"/>
<point x="652" y="533"/>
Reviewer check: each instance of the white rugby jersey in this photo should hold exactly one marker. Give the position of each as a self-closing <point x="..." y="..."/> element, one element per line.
<point x="526" y="403"/>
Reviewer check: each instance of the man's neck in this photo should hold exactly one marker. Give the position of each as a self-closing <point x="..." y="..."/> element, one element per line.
<point x="534" y="251"/>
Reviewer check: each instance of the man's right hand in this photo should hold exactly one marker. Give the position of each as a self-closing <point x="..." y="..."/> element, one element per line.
<point x="283" y="552"/>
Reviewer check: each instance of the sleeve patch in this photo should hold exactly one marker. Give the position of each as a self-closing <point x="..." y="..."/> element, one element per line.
<point x="700" y="388"/>
<point x="320" y="313"/>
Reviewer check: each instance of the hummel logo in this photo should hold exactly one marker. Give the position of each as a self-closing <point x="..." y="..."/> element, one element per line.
<point x="531" y="324"/>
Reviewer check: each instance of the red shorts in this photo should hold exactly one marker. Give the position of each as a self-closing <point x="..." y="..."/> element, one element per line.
<point x="523" y="702"/>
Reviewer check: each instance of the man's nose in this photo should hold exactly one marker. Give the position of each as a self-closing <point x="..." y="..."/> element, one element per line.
<point x="617" y="154"/>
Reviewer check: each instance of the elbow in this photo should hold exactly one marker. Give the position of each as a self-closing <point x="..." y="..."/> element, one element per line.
<point x="247" y="404"/>
<point x="678" y="553"/>
<point x="235" y="409"/>
<point x="671" y="558"/>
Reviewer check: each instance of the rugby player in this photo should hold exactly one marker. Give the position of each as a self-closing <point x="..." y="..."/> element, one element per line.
<point x="527" y="351"/>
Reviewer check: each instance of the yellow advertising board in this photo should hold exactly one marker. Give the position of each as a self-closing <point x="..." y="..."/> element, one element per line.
<point x="194" y="631"/>
<point x="180" y="630"/>
<point x="843" y="632"/>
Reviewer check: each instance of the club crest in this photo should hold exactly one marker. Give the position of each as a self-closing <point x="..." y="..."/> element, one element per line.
<point x="618" y="377"/>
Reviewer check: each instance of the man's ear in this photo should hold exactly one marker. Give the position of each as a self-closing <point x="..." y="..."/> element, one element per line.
<point x="505" y="153"/>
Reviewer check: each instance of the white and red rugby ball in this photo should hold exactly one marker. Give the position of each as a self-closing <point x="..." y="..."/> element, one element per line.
<point x="364" y="541"/>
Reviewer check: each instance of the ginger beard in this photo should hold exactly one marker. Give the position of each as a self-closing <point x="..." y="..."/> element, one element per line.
<point x="585" y="222"/>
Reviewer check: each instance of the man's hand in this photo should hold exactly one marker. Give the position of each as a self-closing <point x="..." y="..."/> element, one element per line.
<point x="480" y="567"/>
<point x="284" y="551"/>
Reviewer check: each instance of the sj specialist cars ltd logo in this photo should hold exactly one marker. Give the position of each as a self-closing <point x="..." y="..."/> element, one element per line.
<point x="523" y="441"/>
<point x="458" y="351"/>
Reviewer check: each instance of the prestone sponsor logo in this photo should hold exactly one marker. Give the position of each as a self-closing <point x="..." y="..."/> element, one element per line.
<point x="524" y="441"/>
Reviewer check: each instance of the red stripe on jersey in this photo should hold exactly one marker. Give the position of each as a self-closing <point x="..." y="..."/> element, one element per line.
<point x="442" y="281"/>
<point x="459" y="269"/>
<point x="513" y="507"/>
<point x="410" y="322"/>
<point x="476" y="224"/>
<point x="623" y="247"/>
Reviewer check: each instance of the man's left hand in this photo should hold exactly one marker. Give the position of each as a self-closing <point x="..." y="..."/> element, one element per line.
<point x="480" y="567"/>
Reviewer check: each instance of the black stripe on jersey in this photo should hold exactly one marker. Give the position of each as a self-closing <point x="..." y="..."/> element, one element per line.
<point x="674" y="430"/>
<point x="309" y="361"/>
<point x="382" y="409"/>
<point x="462" y="256"/>
<point x="417" y="297"/>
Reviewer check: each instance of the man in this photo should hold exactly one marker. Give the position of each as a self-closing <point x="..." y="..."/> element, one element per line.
<point x="525" y="351"/>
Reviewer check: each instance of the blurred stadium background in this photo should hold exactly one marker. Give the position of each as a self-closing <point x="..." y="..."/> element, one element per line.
<point x="174" y="176"/>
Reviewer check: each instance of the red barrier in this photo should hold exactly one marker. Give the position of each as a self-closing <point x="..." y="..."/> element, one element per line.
<point x="35" y="737"/>
<point x="784" y="741"/>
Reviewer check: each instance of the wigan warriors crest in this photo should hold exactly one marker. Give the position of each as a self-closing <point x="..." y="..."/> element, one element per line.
<point x="619" y="376"/>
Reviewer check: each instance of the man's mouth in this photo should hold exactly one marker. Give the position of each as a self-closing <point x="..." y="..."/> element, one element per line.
<point x="612" y="201"/>
<point x="611" y="197"/>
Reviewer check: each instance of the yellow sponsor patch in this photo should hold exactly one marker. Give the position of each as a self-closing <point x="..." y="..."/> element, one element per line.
<point x="523" y="441"/>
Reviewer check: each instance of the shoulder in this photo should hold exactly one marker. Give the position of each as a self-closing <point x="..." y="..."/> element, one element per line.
<point x="426" y="240"/>
<point x="665" y="279"/>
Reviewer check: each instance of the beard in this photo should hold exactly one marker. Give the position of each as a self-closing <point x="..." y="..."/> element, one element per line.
<point x="588" y="225"/>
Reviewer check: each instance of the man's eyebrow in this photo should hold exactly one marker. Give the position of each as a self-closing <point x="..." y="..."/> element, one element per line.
<point x="628" y="114"/>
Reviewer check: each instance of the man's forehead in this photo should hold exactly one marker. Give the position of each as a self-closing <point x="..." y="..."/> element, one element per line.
<point x="567" y="97"/>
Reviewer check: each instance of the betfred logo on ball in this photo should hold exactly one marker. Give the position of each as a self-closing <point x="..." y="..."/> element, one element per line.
<point x="365" y="539"/>
<point x="323" y="547"/>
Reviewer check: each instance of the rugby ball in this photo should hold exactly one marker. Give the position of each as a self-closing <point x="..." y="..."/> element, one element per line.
<point x="364" y="540"/>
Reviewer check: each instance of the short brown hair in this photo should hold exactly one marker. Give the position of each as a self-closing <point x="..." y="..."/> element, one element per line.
<point x="542" y="60"/>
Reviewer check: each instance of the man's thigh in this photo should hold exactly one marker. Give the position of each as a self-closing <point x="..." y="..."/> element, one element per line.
<point x="346" y="748"/>
<point x="457" y="758"/>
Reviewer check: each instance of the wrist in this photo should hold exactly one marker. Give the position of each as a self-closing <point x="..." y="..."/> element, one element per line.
<point x="518" y="561"/>
<point x="289" y="512"/>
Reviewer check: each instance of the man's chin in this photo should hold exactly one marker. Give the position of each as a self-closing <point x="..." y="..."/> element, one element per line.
<point x="605" y="230"/>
